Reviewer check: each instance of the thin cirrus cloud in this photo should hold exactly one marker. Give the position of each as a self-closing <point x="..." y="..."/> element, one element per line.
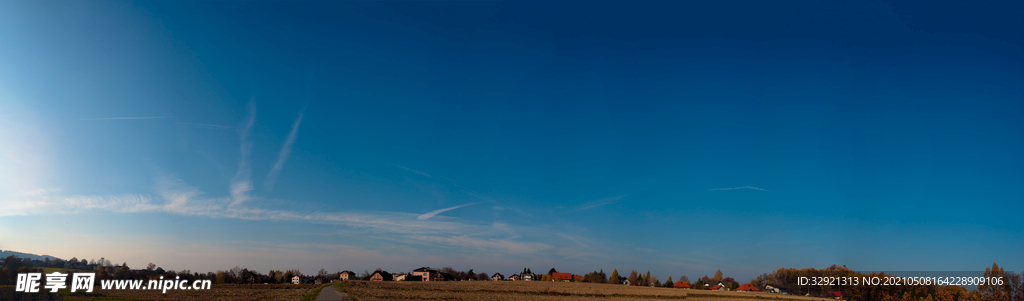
<point x="174" y="197"/>
<point x="430" y="214"/>
<point x="241" y="184"/>
<point x="126" y="118"/>
<point x="215" y="126"/>
<point x="286" y="151"/>
<point x="599" y="203"/>
<point x="734" y="188"/>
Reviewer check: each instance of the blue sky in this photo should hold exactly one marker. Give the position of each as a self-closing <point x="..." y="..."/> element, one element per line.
<point x="677" y="138"/>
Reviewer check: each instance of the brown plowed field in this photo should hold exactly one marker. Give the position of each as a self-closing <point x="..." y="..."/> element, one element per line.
<point x="537" y="291"/>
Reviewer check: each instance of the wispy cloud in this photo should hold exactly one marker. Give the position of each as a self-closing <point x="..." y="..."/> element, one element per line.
<point x="176" y="198"/>
<point x="286" y="150"/>
<point x="734" y="188"/>
<point x="216" y="126"/>
<point x="430" y="214"/>
<point x="487" y="245"/>
<point x="241" y="184"/>
<point x="448" y="181"/>
<point x="601" y="202"/>
<point x="415" y="171"/>
<point x="127" y="118"/>
<point x="583" y="242"/>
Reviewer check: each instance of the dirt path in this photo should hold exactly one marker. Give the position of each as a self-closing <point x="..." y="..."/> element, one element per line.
<point x="330" y="294"/>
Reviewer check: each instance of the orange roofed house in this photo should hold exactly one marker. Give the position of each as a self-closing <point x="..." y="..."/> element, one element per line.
<point x="565" y="277"/>
<point x="681" y="284"/>
<point x="747" y="288"/>
<point x="380" y="275"/>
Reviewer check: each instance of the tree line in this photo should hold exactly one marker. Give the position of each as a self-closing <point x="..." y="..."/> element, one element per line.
<point x="1012" y="288"/>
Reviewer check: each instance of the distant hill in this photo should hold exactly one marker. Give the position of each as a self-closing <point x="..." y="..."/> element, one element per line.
<point x="5" y="253"/>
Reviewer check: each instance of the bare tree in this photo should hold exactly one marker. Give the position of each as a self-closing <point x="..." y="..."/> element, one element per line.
<point x="151" y="266"/>
<point x="1016" y="282"/>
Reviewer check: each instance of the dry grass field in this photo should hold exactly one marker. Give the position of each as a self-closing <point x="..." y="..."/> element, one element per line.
<point x="231" y="292"/>
<point x="536" y="291"/>
<point x="452" y="290"/>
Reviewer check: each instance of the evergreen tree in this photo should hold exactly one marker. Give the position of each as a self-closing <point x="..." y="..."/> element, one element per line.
<point x="552" y="271"/>
<point x="669" y="282"/>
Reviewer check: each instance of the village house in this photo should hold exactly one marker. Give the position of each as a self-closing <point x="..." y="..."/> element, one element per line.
<point x="681" y="284"/>
<point x="747" y="288"/>
<point x="771" y="288"/>
<point x="564" y="277"/>
<point x="515" y="277"/>
<point x="381" y="275"/>
<point x="427" y="273"/>
<point x="346" y="275"/>
<point x="497" y="277"/>
<point x="401" y="276"/>
<point x="527" y="277"/>
<point x="321" y="280"/>
<point x="298" y="279"/>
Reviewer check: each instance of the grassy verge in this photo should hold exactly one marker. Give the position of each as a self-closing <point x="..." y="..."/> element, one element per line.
<point x="311" y="295"/>
<point x="342" y="286"/>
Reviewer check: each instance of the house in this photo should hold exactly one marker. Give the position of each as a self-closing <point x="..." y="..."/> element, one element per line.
<point x="427" y="273"/>
<point x="527" y="277"/>
<point x="681" y="284"/>
<point x="715" y="285"/>
<point x="381" y="275"/>
<point x="747" y="288"/>
<point x="577" y="278"/>
<point x="346" y="275"/>
<point x="297" y="279"/>
<point x="515" y="277"/>
<point x="626" y="282"/>
<point x="401" y="277"/>
<point x="771" y="288"/>
<point x="321" y="280"/>
<point x="497" y="277"/>
<point x="443" y="277"/>
<point x="564" y="277"/>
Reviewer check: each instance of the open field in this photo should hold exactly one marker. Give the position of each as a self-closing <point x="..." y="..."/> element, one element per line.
<point x="451" y="290"/>
<point x="535" y="291"/>
<point x="232" y="292"/>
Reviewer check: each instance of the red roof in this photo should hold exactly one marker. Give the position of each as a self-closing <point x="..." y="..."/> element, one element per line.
<point x="681" y="284"/>
<point x="747" y="287"/>
<point x="716" y="287"/>
<point x="561" y="276"/>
